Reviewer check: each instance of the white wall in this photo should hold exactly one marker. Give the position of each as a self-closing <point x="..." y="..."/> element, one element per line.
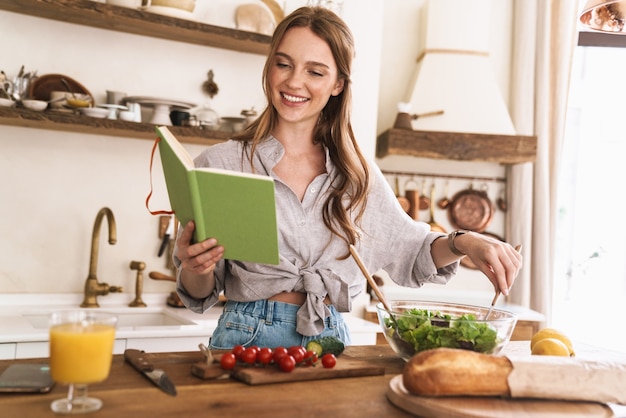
<point x="52" y="183"/>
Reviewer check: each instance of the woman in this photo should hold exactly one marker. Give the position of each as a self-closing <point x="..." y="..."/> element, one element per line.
<point x="328" y="196"/>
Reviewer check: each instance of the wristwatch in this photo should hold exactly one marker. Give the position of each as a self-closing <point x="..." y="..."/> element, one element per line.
<point x="451" y="236"/>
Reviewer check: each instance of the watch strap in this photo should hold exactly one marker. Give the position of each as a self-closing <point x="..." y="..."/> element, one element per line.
<point x="451" y="237"/>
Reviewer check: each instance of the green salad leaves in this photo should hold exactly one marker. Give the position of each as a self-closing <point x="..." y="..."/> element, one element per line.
<point x="424" y="330"/>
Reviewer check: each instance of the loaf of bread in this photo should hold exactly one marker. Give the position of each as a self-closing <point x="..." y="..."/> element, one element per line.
<point x="449" y="372"/>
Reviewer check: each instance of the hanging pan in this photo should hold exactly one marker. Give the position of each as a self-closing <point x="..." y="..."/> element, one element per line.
<point x="471" y="209"/>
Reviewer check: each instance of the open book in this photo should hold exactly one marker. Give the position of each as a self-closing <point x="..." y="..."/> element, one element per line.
<point x="238" y="209"/>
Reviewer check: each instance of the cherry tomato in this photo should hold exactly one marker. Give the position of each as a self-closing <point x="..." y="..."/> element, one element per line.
<point x="264" y="355"/>
<point x="279" y="352"/>
<point x="310" y="358"/>
<point x="287" y="363"/>
<point x="228" y="361"/>
<point x="237" y="351"/>
<point x="297" y="352"/>
<point x="329" y="360"/>
<point x="249" y="355"/>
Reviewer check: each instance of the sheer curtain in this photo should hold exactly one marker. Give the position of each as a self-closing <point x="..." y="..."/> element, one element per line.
<point x="545" y="34"/>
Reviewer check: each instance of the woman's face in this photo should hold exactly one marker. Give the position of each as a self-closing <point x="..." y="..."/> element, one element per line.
<point x="302" y="77"/>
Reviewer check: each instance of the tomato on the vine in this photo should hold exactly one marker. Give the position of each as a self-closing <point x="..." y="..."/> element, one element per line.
<point x="279" y="352"/>
<point x="329" y="360"/>
<point x="249" y="355"/>
<point x="310" y="358"/>
<point x="237" y="351"/>
<point x="297" y="352"/>
<point x="287" y="363"/>
<point x="228" y="361"/>
<point x="264" y="356"/>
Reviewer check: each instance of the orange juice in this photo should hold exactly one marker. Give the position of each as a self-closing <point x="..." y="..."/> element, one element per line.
<point x="81" y="353"/>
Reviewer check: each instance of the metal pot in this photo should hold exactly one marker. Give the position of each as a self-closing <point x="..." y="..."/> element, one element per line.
<point x="471" y="209"/>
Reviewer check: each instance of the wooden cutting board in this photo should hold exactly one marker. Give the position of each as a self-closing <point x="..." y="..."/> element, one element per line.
<point x="490" y="407"/>
<point x="346" y="367"/>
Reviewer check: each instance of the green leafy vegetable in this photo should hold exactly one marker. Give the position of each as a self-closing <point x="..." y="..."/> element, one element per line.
<point x="424" y="330"/>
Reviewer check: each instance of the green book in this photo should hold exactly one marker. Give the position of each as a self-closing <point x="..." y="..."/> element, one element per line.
<point x="238" y="209"/>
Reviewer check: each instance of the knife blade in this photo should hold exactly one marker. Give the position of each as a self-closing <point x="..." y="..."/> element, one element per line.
<point x="157" y="376"/>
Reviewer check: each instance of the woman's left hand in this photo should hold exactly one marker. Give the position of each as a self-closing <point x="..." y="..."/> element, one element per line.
<point x="498" y="260"/>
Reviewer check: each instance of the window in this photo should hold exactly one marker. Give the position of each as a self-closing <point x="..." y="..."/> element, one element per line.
<point x="590" y="266"/>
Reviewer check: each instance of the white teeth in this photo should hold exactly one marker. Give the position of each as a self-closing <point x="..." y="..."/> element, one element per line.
<point x="294" y="99"/>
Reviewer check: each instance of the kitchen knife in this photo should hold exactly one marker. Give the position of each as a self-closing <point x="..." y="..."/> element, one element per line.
<point x="157" y="376"/>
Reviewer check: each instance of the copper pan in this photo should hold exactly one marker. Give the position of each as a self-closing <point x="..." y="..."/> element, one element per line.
<point x="404" y="202"/>
<point x="471" y="209"/>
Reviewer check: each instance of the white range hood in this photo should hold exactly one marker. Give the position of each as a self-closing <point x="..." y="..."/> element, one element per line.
<point x="455" y="74"/>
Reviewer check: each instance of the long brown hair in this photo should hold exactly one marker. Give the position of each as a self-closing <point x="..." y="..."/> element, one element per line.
<point x="334" y="129"/>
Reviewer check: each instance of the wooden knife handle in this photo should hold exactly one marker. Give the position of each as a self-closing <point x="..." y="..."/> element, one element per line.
<point x="137" y="359"/>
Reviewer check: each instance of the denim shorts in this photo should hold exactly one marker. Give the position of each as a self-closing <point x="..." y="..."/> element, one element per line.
<point x="268" y="323"/>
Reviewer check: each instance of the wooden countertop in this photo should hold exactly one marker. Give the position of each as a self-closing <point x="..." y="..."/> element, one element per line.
<point x="127" y="393"/>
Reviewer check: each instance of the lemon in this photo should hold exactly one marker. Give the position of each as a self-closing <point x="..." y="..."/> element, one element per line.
<point x="550" y="347"/>
<point x="552" y="333"/>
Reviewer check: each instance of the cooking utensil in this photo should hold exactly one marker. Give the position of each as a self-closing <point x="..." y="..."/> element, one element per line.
<point x="369" y="278"/>
<point x="498" y="292"/>
<point x="157" y="376"/>
<point x="471" y="209"/>
<point x="68" y="88"/>
<point x="413" y="197"/>
<point x="424" y="200"/>
<point x="501" y="202"/>
<point x="372" y="282"/>
<point x="41" y="87"/>
<point x="404" y="202"/>
<point x="434" y="226"/>
<point x="444" y="202"/>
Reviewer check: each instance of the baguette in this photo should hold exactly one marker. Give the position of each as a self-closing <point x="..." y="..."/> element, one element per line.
<point x="453" y="372"/>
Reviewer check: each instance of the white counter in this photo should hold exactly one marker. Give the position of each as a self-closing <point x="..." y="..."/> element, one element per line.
<point x="156" y="328"/>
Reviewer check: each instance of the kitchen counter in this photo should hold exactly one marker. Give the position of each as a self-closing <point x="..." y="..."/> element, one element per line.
<point x="127" y="393"/>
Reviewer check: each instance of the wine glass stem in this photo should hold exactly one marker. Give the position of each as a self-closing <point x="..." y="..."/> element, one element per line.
<point x="77" y="394"/>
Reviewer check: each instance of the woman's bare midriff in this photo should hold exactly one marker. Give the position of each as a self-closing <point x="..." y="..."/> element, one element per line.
<point x="295" y="298"/>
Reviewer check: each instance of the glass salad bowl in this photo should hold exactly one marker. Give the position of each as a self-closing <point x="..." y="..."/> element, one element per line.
<point x="412" y="326"/>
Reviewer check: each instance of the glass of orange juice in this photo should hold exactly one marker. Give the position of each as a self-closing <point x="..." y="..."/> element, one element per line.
<point x="81" y="350"/>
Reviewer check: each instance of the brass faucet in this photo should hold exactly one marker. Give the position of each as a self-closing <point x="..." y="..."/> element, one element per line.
<point x="140" y="267"/>
<point x="93" y="288"/>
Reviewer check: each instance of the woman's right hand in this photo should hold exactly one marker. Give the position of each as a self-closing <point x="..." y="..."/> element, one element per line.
<point x="199" y="258"/>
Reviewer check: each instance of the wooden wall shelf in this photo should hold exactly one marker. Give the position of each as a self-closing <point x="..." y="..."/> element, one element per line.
<point x="504" y="149"/>
<point x="70" y="122"/>
<point x="135" y="21"/>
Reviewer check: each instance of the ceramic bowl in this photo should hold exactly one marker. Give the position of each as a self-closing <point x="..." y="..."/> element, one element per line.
<point x="6" y="102"/>
<point x="425" y="325"/>
<point x="95" y="112"/>
<point x="127" y="115"/>
<point x="35" y="104"/>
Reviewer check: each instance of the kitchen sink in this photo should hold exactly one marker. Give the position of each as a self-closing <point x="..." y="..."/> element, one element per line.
<point x="127" y="318"/>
